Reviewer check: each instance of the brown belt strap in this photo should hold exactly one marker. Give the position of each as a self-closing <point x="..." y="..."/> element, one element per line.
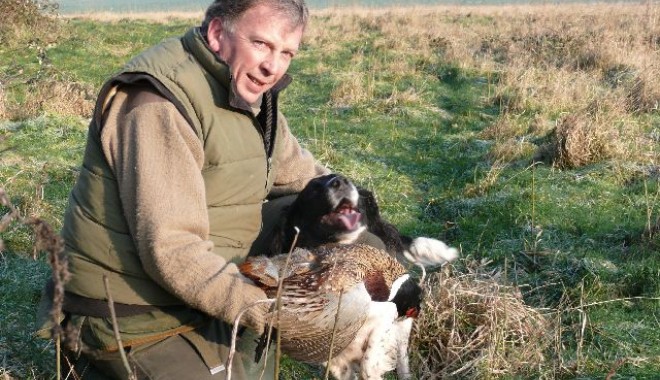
<point x="91" y="307"/>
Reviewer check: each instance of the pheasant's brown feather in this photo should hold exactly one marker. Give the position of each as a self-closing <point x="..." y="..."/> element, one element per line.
<point x="316" y="284"/>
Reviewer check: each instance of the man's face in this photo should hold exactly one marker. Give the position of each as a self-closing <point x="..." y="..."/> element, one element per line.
<point x="258" y="50"/>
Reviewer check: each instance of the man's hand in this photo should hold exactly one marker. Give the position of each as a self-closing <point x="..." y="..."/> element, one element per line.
<point x="255" y="307"/>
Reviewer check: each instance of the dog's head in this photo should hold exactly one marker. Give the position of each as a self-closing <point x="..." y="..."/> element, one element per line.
<point x="327" y="210"/>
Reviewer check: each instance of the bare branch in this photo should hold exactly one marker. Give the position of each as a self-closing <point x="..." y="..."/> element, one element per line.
<point x="115" y="329"/>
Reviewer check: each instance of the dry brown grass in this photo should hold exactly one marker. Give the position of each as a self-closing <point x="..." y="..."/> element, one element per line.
<point x="28" y="20"/>
<point x="3" y="107"/>
<point x="156" y="17"/>
<point x="471" y="322"/>
<point x="512" y="149"/>
<point x="58" y="96"/>
<point x="580" y="140"/>
<point x="544" y="62"/>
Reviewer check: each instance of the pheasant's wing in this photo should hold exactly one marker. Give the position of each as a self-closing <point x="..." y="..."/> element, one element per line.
<point x="263" y="271"/>
<point x="324" y="293"/>
<point x="306" y="324"/>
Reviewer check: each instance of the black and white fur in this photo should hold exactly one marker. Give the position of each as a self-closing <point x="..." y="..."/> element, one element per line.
<point x="332" y="210"/>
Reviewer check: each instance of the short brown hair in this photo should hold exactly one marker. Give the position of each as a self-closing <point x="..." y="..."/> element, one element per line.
<point x="229" y="11"/>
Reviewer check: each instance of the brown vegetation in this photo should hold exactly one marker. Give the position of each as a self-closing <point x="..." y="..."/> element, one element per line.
<point x="599" y="61"/>
<point x="3" y="110"/>
<point x="155" y="17"/>
<point x="46" y="240"/>
<point x="59" y="96"/>
<point x="579" y="140"/>
<point x="472" y="321"/>
<point x="28" y="20"/>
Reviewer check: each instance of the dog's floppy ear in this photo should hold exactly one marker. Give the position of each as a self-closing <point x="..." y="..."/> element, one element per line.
<point x="395" y="243"/>
<point x="368" y="206"/>
<point x="279" y="237"/>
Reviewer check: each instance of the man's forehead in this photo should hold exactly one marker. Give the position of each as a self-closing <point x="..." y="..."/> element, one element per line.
<point x="271" y="28"/>
<point x="266" y="12"/>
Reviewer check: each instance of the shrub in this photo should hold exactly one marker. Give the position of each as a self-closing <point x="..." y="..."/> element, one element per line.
<point x="28" y="21"/>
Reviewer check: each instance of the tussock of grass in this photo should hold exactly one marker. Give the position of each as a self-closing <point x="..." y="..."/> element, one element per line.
<point x="28" y="20"/>
<point x="61" y="97"/>
<point x="580" y="140"/>
<point x="471" y="321"/>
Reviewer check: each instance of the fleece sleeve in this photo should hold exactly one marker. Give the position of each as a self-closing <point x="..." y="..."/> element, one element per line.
<point x="296" y="166"/>
<point x="157" y="159"/>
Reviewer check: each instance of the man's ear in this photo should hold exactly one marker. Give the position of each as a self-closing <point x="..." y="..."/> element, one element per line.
<point x="214" y="34"/>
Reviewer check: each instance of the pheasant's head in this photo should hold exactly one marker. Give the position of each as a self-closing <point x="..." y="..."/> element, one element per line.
<point x="407" y="296"/>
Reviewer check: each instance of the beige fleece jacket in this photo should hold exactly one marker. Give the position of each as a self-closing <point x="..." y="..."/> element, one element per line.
<point x="157" y="159"/>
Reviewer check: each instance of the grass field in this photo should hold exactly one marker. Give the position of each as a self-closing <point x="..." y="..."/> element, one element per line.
<point x="527" y="136"/>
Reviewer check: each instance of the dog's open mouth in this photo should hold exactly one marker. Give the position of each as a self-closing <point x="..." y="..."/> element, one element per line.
<point x="345" y="216"/>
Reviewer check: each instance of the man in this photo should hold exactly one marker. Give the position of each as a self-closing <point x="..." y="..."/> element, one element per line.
<point x="185" y="145"/>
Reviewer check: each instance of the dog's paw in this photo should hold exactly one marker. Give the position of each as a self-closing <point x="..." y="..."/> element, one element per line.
<point x="430" y="252"/>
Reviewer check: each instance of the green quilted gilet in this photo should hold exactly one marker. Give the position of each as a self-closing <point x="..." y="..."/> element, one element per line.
<point x="95" y="231"/>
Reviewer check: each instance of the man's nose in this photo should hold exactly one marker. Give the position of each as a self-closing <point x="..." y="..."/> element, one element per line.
<point x="271" y="65"/>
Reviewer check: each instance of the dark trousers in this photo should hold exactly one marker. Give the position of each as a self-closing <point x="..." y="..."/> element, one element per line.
<point x="172" y="358"/>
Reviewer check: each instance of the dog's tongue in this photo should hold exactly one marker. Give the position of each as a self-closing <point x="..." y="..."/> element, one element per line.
<point x="350" y="219"/>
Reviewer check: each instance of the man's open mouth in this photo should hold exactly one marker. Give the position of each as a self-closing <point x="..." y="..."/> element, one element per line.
<point x="256" y="81"/>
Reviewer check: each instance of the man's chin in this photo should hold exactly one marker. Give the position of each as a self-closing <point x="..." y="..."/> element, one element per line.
<point x="250" y="98"/>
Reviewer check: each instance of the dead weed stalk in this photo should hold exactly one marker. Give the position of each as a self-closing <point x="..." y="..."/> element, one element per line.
<point x="51" y="243"/>
<point x="46" y="240"/>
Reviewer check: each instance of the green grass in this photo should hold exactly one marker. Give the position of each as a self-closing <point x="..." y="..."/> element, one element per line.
<point x="427" y="163"/>
<point x="23" y="355"/>
<point x="108" y="44"/>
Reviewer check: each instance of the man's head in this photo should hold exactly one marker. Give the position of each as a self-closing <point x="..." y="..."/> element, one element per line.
<point x="257" y="39"/>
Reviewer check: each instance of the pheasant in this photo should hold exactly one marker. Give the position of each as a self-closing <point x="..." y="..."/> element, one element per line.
<point x="361" y="289"/>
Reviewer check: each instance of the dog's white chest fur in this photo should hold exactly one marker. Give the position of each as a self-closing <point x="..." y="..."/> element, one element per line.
<point x="380" y="345"/>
